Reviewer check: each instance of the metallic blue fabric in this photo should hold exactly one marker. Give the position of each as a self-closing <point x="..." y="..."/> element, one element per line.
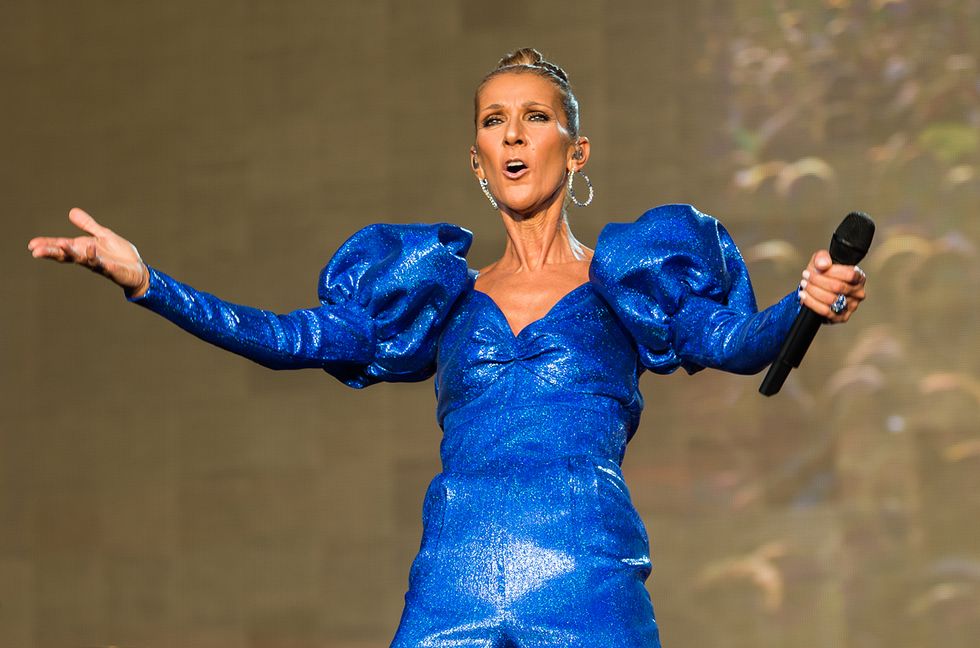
<point x="530" y="537"/>
<point x="383" y="297"/>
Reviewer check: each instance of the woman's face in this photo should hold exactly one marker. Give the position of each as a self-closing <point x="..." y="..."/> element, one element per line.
<point x="523" y="147"/>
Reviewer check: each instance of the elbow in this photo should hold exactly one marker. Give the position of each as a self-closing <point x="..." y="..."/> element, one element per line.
<point x="736" y="362"/>
<point x="749" y="355"/>
<point x="725" y="339"/>
<point x="737" y="351"/>
<point x="748" y="368"/>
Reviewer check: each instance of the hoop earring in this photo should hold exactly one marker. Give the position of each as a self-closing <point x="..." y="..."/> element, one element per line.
<point x="486" y="191"/>
<point x="571" y="190"/>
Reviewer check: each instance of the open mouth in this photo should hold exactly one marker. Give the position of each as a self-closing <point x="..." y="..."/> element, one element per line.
<point x="515" y="168"/>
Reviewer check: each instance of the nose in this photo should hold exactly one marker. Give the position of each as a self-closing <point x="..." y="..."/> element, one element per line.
<point x="514" y="135"/>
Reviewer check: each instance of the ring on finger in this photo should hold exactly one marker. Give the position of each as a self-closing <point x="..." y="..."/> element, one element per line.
<point x="839" y="305"/>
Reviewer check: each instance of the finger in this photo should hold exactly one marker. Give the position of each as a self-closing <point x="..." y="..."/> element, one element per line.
<point x="58" y="249"/>
<point x="830" y="284"/>
<point x="847" y="273"/>
<point x="90" y="256"/>
<point x="822" y="261"/>
<point x="859" y="277"/>
<point x="83" y="221"/>
<point x="52" y="252"/>
<point x="819" y="294"/>
<point x="47" y="241"/>
<point x="816" y="306"/>
<point x="40" y="241"/>
<point x="82" y="250"/>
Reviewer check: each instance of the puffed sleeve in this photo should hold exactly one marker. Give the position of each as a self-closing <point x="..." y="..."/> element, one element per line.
<point x="383" y="298"/>
<point x="678" y="284"/>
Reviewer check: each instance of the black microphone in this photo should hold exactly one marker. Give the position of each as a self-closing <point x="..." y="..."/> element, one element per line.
<point x="848" y="246"/>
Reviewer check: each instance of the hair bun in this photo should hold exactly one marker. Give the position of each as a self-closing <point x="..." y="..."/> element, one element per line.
<point x="532" y="57"/>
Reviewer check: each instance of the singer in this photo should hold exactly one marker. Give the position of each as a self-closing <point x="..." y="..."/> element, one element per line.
<point x="530" y="537"/>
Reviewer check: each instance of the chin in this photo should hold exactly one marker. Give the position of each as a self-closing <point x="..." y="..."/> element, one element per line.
<point x="523" y="204"/>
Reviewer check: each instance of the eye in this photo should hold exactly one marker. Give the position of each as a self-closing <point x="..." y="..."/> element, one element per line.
<point x="492" y="120"/>
<point x="538" y="116"/>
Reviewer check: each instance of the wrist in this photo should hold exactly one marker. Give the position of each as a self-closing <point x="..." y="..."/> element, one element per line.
<point x="143" y="286"/>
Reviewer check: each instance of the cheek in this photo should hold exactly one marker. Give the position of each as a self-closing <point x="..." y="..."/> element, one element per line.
<point x="551" y="156"/>
<point x="481" y="142"/>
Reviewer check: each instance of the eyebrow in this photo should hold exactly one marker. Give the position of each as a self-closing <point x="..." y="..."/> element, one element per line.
<point x="526" y="104"/>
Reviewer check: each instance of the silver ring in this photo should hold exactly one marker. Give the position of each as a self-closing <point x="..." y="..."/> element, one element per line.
<point x="839" y="305"/>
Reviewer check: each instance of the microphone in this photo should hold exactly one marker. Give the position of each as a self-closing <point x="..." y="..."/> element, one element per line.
<point x="848" y="246"/>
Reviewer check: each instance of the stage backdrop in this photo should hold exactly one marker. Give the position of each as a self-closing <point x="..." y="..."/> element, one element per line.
<point x="156" y="492"/>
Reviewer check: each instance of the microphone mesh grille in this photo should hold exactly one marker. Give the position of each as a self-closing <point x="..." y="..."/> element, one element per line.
<point x="857" y="229"/>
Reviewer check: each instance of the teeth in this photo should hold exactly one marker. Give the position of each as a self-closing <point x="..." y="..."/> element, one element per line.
<point x="513" y="166"/>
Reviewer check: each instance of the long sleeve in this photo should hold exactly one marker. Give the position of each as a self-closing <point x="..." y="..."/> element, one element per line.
<point x="678" y="284"/>
<point x="383" y="298"/>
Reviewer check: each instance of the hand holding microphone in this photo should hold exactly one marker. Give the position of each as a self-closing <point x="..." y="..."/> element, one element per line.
<point x="831" y="290"/>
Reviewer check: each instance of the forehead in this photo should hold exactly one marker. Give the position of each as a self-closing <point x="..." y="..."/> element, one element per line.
<point x="517" y="89"/>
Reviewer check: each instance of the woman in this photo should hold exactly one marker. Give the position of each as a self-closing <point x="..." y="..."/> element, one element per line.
<point x="530" y="538"/>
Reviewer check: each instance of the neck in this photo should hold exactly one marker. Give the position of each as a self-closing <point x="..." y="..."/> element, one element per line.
<point x="539" y="239"/>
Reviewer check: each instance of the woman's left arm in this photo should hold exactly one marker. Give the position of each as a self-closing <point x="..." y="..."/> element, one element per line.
<point x="736" y="338"/>
<point x="679" y="284"/>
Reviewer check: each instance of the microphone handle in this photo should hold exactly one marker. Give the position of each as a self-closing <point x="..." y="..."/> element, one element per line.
<point x="805" y="326"/>
<point x="800" y="336"/>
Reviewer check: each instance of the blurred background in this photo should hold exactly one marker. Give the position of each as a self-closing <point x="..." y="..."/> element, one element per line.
<point x="156" y="492"/>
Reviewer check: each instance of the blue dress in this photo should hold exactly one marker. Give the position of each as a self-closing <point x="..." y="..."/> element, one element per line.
<point x="530" y="538"/>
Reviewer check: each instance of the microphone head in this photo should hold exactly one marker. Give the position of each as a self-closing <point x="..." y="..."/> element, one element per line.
<point x="857" y="229"/>
<point x="852" y="239"/>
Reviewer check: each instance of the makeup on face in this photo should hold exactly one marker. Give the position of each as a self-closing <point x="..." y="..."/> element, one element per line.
<point x="522" y="144"/>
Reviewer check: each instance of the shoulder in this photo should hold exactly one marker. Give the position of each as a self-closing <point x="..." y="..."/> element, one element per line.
<point x="673" y="223"/>
<point x="647" y="270"/>
<point x="396" y="259"/>
<point x="454" y="238"/>
<point x="664" y="232"/>
<point x="402" y="280"/>
<point x="669" y="251"/>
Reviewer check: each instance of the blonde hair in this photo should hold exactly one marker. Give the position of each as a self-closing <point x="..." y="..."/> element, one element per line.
<point x="528" y="59"/>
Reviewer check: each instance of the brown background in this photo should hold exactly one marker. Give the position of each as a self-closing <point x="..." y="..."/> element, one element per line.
<point x="157" y="492"/>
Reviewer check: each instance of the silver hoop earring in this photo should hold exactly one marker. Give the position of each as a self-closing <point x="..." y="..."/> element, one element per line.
<point x="571" y="190"/>
<point x="486" y="191"/>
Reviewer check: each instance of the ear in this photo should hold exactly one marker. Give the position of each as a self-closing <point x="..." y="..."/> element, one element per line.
<point x="475" y="163"/>
<point x="579" y="154"/>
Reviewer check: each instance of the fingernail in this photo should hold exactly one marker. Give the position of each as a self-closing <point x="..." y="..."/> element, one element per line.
<point x="806" y="275"/>
<point x="803" y="284"/>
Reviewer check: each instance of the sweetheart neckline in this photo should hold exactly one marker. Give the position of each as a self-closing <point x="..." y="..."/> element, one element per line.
<point x="554" y="307"/>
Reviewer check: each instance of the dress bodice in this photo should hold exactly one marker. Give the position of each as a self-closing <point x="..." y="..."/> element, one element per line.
<point x="504" y="397"/>
<point x="669" y="290"/>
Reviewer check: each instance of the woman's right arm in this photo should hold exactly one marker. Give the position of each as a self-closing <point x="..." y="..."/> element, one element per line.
<point x="383" y="297"/>
<point x="329" y="337"/>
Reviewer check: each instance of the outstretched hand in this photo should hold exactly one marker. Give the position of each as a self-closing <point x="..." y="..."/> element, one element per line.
<point x="102" y="251"/>
<point x="824" y="282"/>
